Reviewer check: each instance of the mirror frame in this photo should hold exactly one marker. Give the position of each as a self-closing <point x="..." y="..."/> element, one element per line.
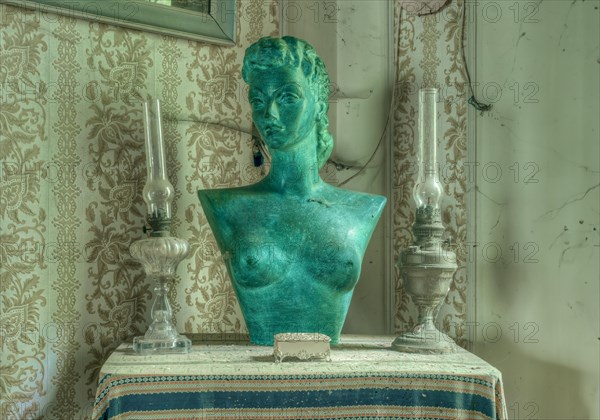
<point x="215" y="27"/>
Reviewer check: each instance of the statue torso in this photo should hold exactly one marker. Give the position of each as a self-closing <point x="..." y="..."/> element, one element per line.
<point x="290" y="257"/>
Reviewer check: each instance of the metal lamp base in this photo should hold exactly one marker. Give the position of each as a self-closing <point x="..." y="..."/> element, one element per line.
<point x="424" y="342"/>
<point x="427" y="275"/>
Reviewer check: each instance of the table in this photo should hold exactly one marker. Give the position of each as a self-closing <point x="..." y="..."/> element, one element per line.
<point x="364" y="379"/>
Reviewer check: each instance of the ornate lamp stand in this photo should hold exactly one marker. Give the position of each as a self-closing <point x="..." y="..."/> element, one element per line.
<point x="427" y="268"/>
<point x="160" y="253"/>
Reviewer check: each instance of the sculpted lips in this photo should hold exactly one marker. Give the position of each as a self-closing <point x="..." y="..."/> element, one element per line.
<point x="272" y="129"/>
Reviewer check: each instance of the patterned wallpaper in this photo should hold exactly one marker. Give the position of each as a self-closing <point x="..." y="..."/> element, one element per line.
<point x="72" y="169"/>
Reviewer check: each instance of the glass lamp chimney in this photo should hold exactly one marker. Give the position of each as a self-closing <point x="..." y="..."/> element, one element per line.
<point x="428" y="190"/>
<point x="158" y="192"/>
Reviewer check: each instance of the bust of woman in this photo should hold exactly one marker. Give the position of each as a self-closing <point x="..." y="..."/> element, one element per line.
<point x="293" y="244"/>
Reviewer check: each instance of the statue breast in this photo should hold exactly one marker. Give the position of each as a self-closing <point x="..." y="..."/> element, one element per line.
<point x="324" y="257"/>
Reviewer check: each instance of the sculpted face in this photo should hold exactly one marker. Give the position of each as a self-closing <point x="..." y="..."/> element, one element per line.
<point x="284" y="108"/>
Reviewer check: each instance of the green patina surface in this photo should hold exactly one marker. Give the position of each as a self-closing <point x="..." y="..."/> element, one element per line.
<point x="293" y="244"/>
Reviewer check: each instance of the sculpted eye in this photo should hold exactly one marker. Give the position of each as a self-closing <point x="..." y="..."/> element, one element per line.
<point x="289" y="98"/>
<point x="256" y="102"/>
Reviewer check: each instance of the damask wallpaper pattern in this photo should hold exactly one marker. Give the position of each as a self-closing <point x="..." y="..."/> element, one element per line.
<point x="72" y="169"/>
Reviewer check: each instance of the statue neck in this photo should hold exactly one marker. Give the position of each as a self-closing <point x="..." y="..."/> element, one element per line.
<point x="295" y="170"/>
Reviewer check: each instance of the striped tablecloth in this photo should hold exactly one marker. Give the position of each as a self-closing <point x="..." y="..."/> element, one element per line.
<point x="365" y="379"/>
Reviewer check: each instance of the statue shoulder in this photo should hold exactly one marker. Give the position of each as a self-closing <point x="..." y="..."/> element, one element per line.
<point x="226" y="204"/>
<point x="219" y="204"/>
<point x="222" y="208"/>
<point x="365" y="203"/>
<point x="212" y="199"/>
<point x="374" y="202"/>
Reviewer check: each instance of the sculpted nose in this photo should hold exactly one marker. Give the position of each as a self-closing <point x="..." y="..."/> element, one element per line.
<point x="271" y="110"/>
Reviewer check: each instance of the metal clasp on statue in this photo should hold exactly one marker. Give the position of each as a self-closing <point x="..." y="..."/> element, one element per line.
<point x="160" y="253"/>
<point x="427" y="268"/>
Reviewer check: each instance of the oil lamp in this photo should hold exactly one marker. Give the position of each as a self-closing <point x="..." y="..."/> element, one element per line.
<point x="426" y="267"/>
<point x="160" y="253"/>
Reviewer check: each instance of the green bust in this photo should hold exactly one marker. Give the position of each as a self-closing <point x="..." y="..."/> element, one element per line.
<point x="293" y="244"/>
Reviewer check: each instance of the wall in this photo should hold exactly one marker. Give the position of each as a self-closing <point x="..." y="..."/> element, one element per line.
<point x="73" y="168"/>
<point x="538" y="204"/>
